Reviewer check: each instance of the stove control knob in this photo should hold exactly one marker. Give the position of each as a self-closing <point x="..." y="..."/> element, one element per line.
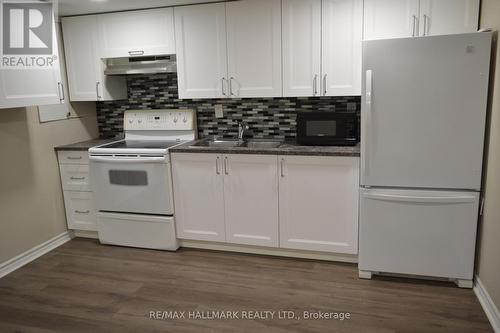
<point x="130" y="121"/>
<point x="175" y="119"/>
<point x="139" y="121"/>
<point x="185" y="120"/>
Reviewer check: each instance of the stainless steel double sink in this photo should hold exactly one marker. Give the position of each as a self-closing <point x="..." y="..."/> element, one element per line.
<point x="229" y="143"/>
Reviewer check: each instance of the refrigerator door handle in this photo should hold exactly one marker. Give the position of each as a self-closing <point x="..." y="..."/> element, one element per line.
<point x="420" y="199"/>
<point x="367" y="119"/>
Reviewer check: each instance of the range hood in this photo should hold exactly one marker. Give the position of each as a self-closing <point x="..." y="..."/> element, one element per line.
<point x="140" y="65"/>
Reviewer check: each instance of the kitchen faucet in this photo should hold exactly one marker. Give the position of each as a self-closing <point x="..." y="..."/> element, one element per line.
<point x="242" y="127"/>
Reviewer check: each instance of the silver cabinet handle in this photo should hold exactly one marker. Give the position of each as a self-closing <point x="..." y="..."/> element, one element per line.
<point x="414" y="25"/>
<point x="217" y="169"/>
<point x="97" y="89"/>
<point x="425" y="24"/>
<point x="82" y="211"/>
<point x="315" y="85"/>
<point x="282" y="167"/>
<point x="225" y="166"/>
<point x="74" y="158"/>
<point x="136" y="52"/>
<point x="223" y="86"/>
<point x="324" y="85"/>
<point x="60" y="90"/>
<point x="77" y="178"/>
<point x="231" y="86"/>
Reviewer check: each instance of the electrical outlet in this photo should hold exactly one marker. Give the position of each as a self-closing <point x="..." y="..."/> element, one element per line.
<point x="219" y="113"/>
<point x="351" y="106"/>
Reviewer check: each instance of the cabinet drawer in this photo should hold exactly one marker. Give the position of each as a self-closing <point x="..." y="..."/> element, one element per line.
<point x="73" y="157"/>
<point x="80" y="210"/>
<point x="75" y="177"/>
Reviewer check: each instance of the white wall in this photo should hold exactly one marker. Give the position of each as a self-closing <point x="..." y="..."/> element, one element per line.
<point x="31" y="202"/>
<point x="489" y="236"/>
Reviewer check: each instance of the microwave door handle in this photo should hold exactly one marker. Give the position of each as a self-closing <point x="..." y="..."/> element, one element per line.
<point x="142" y="159"/>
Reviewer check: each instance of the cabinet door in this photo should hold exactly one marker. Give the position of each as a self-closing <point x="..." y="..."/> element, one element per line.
<point x="301" y="47"/>
<point x="79" y="33"/>
<point x="251" y="199"/>
<point x="80" y="210"/>
<point x="318" y="203"/>
<point x="136" y="33"/>
<point x="60" y="110"/>
<point x="254" y="48"/>
<point x="198" y="196"/>
<point x="342" y="22"/>
<point x="86" y="78"/>
<point x="26" y="86"/>
<point x="441" y="17"/>
<point x="200" y="33"/>
<point x="390" y="18"/>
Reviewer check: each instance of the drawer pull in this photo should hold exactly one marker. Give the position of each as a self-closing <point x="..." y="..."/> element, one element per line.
<point x="136" y="52"/>
<point x="77" y="178"/>
<point x="74" y="158"/>
<point x="82" y="211"/>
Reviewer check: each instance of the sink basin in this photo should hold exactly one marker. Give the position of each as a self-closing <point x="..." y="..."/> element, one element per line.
<point x="217" y="143"/>
<point x="236" y="143"/>
<point x="262" y="144"/>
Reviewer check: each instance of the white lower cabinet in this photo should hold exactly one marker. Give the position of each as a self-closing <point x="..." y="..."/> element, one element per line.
<point x="251" y="199"/>
<point x="318" y="203"/>
<point x="226" y="198"/>
<point x="198" y="196"/>
<point x="294" y="202"/>
<point x="78" y="196"/>
<point x="80" y="210"/>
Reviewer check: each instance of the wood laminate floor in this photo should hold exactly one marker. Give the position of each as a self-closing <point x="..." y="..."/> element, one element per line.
<point x="86" y="287"/>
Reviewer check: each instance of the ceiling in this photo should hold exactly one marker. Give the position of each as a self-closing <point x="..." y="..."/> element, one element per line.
<point x="79" y="7"/>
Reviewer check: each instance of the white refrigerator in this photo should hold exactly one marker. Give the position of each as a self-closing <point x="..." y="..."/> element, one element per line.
<point x="422" y="133"/>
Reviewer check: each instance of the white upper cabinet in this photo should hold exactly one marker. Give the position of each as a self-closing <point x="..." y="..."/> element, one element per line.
<point x="441" y="17"/>
<point x="26" y="87"/>
<point x="85" y="69"/>
<point x="199" y="196"/>
<point x="301" y="47"/>
<point x="200" y="34"/>
<point x="254" y="48"/>
<point x="390" y="18"/>
<point x="136" y="33"/>
<point x="60" y="110"/>
<point x="251" y="199"/>
<point x="412" y="18"/>
<point x="342" y="33"/>
<point x="318" y="203"/>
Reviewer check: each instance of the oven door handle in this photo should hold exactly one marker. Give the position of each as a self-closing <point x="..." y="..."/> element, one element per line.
<point x="142" y="159"/>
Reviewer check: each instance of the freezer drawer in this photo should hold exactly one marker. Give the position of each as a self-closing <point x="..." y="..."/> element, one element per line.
<point x="428" y="233"/>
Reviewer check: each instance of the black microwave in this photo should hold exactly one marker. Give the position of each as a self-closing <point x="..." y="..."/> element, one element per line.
<point x="327" y="128"/>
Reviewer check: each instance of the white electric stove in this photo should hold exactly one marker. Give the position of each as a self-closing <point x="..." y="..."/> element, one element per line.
<point x="132" y="180"/>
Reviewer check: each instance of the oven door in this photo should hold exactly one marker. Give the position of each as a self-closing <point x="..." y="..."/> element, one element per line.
<point x="132" y="184"/>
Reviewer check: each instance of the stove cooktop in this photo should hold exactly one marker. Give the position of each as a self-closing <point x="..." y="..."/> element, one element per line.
<point x="141" y="144"/>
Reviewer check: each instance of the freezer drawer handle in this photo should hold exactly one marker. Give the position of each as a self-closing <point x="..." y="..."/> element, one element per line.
<point x="420" y="199"/>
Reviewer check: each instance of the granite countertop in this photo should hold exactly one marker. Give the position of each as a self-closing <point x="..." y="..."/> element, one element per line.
<point x="85" y="145"/>
<point x="287" y="148"/>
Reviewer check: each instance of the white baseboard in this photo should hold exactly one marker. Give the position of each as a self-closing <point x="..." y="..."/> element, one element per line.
<point x="268" y="251"/>
<point x="487" y="303"/>
<point x="33" y="253"/>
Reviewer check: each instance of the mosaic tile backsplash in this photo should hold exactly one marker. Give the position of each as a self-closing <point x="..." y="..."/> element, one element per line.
<point x="266" y="117"/>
